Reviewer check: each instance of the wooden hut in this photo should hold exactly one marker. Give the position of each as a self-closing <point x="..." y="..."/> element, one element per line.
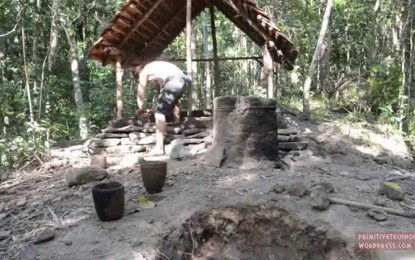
<point x="142" y="29"/>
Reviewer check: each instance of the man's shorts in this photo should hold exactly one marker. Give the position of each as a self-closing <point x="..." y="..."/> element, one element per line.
<point x="173" y="89"/>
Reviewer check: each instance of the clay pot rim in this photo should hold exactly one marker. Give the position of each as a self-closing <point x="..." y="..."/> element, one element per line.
<point x="114" y="185"/>
<point x="143" y="161"/>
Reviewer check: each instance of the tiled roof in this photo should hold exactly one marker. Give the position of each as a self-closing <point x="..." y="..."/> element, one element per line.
<point x="142" y="29"/>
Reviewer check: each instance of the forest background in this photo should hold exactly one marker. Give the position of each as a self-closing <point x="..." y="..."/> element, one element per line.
<point x="50" y="91"/>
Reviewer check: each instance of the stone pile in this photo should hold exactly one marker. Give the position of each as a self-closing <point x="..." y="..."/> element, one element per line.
<point x="289" y="140"/>
<point x="124" y="142"/>
<point x="126" y="145"/>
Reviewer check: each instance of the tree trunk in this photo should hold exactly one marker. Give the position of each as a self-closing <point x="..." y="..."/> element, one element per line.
<point x="311" y="70"/>
<point x="27" y="83"/>
<point x="53" y="42"/>
<point x="407" y="45"/>
<point x="83" y="126"/>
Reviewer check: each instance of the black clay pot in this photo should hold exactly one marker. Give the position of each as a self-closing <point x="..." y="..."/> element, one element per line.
<point x="153" y="174"/>
<point x="109" y="200"/>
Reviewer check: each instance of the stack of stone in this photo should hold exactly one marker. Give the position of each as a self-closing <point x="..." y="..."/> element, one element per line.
<point x="126" y="145"/>
<point x="289" y="140"/>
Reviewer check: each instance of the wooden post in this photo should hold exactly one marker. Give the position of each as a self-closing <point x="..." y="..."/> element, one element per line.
<point x="269" y="71"/>
<point x="215" y="53"/>
<point x="270" y="91"/>
<point x="189" y="55"/>
<point x="118" y="75"/>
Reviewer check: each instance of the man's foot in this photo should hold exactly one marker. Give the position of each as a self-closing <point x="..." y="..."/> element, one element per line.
<point x="155" y="152"/>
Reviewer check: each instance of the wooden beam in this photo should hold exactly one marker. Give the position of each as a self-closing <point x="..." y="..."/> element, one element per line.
<point x="189" y="54"/>
<point x="211" y="59"/>
<point x="131" y="32"/>
<point x="160" y="33"/>
<point x="216" y="71"/>
<point x="118" y="75"/>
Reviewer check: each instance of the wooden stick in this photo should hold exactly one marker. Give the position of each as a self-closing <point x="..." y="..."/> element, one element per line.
<point x="398" y="212"/>
<point x="256" y="58"/>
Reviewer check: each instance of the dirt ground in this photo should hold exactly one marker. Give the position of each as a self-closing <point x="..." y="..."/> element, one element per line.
<point x="218" y="213"/>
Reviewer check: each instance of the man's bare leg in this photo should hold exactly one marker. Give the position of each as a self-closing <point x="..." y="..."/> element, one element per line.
<point x="176" y="114"/>
<point x="160" y="132"/>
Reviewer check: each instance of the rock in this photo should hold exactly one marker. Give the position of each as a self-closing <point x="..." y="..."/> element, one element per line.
<point x="179" y="152"/>
<point x="191" y="122"/>
<point x="191" y="141"/>
<point x="380" y="202"/>
<point x="384" y="160"/>
<point x="195" y="149"/>
<point x="44" y="236"/>
<point x="275" y="198"/>
<point x="125" y="129"/>
<point x="283" y="138"/>
<point x="4" y="177"/>
<point x="56" y="164"/>
<point x="57" y="199"/>
<point x="149" y="128"/>
<point x="297" y="189"/>
<point x="278" y="188"/>
<point x="400" y="162"/>
<point x="21" y="202"/>
<point x="325" y="185"/>
<point x="191" y="131"/>
<point x="295" y="138"/>
<point x="99" y="160"/>
<point x="215" y="156"/>
<point x="123" y="149"/>
<point x="319" y="198"/>
<point x="78" y="176"/>
<point x="208" y="140"/>
<point x="286" y="131"/>
<point x="130" y="160"/>
<point x="128" y="141"/>
<point x="287" y="162"/>
<point x="4" y="235"/>
<point x="67" y="242"/>
<point x="110" y="135"/>
<point x="199" y="135"/>
<point x="3" y="216"/>
<point x="203" y="151"/>
<point x="2" y="205"/>
<point x="287" y="146"/>
<point x="106" y="142"/>
<point x="136" y="243"/>
<point x="147" y="140"/>
<point x="138" y="135"/>
<point x="392" y="191"/>
<point x="174" y="130"/>
<point x="169" y="183"/>
<point x="113" y="160"/>
<point x="407" y="184"/>
<point x="377" y="214"/>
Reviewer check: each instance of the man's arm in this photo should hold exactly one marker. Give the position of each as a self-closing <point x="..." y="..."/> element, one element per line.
<point x="142" y="85"/>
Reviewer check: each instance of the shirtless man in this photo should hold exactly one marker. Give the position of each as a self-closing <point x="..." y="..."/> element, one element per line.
<point x="173" y="83"/>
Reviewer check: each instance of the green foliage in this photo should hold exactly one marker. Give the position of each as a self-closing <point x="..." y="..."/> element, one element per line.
<point x="385" y="83"/>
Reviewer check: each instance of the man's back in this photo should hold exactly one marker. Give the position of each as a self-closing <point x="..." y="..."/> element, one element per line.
<point x="161" y="70"/>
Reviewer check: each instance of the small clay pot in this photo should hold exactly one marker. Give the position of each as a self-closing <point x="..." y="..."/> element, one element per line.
<point x="109" y="200"/>
<point x="153" y="174"/>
